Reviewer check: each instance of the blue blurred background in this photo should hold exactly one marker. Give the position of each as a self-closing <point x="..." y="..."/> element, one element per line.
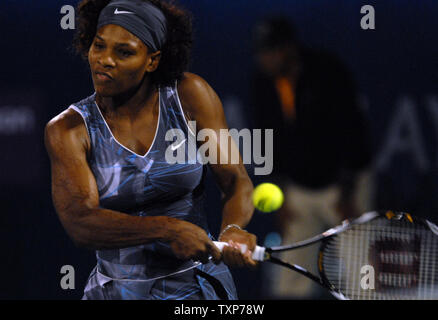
<point x="395" y="67"/>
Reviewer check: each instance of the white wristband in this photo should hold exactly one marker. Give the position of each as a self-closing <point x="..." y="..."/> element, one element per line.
<point x="228" y="227"/>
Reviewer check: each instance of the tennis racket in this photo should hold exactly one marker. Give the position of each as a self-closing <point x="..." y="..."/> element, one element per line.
<point x="377" y="256"/>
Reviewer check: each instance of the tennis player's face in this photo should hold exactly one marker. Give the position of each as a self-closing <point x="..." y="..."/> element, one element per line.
<point x="118" y="61"/>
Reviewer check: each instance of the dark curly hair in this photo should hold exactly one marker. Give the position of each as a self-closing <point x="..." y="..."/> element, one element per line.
<point x="175" y="54"/>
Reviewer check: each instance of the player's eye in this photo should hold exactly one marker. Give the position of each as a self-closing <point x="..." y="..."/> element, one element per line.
<point x="98" y="45"/>
<point x="126" y="53"/>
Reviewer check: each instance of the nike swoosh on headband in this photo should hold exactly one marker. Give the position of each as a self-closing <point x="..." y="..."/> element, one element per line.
<point x="122" y="12"/>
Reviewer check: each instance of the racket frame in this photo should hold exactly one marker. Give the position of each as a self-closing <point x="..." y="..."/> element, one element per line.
<point x="326" y="237"/>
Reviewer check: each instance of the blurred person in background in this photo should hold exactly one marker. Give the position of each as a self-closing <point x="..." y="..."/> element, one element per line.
<point x="322" y="154"/>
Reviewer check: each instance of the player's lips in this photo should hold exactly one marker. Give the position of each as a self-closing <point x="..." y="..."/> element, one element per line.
<point x="103" y="76"/>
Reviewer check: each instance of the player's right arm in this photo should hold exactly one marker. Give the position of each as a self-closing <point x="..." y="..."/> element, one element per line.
<point x="76" y="200"/>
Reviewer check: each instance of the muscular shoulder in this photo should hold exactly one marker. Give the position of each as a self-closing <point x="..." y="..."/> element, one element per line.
<point x="67" y="129"/>
<point x="192" y="84"/>
<point x="197" y="97"/>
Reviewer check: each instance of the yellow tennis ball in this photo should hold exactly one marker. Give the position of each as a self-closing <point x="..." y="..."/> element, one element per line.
<point x="267" y="197"/>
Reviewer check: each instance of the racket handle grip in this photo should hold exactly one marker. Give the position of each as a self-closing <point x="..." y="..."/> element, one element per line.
<point x="257" y="255"/>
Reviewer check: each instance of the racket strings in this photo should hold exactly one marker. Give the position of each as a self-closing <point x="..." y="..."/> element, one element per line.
<point x="383" y="259"/>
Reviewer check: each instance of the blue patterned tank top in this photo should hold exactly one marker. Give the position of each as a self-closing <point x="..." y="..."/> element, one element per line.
<point x="144" y="186"/>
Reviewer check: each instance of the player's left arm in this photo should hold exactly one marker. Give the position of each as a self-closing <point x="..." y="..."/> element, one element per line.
<point x="201" y="104"/>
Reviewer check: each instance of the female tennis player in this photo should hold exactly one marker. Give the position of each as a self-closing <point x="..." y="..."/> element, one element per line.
<point x="112" y="187"/>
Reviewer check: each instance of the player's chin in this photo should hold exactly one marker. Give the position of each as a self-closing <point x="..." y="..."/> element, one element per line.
<point x="106" y="90"/>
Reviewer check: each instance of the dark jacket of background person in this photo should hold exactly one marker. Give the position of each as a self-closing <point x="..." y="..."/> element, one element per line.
<point x="327" y="137"/>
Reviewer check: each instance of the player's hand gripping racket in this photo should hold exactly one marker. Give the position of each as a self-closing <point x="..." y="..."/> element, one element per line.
<point x="380" y="255"/>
